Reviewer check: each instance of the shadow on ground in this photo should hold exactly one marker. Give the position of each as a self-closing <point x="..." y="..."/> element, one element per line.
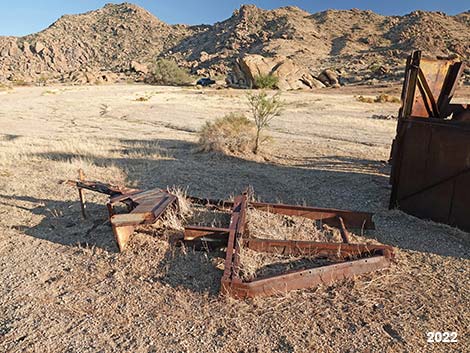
<point x="218" y="176"/>
<point x="334" y="182"/>
<point x="62" y="223"/>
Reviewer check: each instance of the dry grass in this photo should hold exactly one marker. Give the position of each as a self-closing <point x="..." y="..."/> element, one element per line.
<point x="143" y="99"/>
<point x="381" y="98"/>
<point x="266" y="225"/>
<point x="175" y="218"/>
<point x="64" y="288"/>
<point x="5" y="87"/>
<point x="232" y="134"/>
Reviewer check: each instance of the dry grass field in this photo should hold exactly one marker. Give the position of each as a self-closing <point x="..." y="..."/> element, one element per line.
<point x="65" y="288"/>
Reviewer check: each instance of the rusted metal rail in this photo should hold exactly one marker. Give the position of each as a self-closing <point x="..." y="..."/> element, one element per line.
<point x="329" y="216"/>
<point x="430" y="174"/>
<point x="357" y="258"/>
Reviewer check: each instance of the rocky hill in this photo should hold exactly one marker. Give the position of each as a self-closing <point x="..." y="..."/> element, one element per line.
<point x="104" y="40"/>
<point x="361" y="45"/>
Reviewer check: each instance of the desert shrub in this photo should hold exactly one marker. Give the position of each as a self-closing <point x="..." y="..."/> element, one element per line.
<point x="385" y="98"/>
<point x="363" y="99"/>
<point x="266" y="81"/>
<point x="167" y="72"/>
<point x="42" y="80"/>
<point x="5" y="87"/>
<point x="263" y="109"/>
<point x="233" y="133"/>
<point x="381" y="98"/>
<point x="20" y="82"/>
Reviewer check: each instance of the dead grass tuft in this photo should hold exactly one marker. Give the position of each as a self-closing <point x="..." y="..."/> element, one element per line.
<point x="381" y="98"/>
<point x="175" y="218"/>
<point x="234" y="133"/>
<point x="5" y="87"/>
<point x="142" y="99"/>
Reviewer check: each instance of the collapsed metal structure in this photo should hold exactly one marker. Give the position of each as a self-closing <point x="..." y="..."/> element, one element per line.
<point x="430" y="155"/>
<point x="143" y="207"/>
<point x="146" y="207"/>
<point x="350" y="259"/>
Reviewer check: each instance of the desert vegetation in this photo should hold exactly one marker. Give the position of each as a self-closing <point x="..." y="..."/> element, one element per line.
<point x="235" y="133"/>
<point x="263" y="110"/>
<point x="266" y="81"/>
<point x="381" y="98"/>
<point x="167" y="72"/>
<point x="232" y="133"/>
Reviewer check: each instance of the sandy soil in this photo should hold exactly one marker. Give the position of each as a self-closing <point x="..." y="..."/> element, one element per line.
<point x="64" y="287"/>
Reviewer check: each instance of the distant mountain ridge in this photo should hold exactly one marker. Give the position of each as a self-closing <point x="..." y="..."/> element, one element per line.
<point x="352" y="41"/>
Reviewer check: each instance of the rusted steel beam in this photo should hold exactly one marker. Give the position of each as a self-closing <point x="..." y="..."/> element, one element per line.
<point x="329" y="216"/>
<point x="195" y="232"/>
<point x="303" y="279"/>
<point x="101" y="188"/>
<point x="344" y="231"/>
<point x="232" y="260"/>
<point x="81" y="196"/>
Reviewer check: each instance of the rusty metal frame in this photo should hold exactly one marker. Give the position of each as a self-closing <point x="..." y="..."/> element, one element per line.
<point x="357" y="258"/>
<point x="143" y="207"/>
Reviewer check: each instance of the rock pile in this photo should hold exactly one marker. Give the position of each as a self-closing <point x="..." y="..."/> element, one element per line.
<point x="290" y="76"/>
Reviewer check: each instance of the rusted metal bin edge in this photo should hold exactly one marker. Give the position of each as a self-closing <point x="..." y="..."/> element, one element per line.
<point x="458" y="132"/>
<point x="451" y="124"/>
<point x="303" y="279"/>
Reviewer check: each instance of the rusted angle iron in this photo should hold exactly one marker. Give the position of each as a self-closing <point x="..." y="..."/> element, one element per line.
<point x="143" y="207"/>
<point x="329" y="216"/>
<point x="359" y="258"/>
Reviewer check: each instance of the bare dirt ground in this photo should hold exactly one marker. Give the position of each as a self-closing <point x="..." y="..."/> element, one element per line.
<point x="64" y="287"/>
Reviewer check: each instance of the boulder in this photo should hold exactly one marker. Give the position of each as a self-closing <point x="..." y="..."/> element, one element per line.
<point x="88" y="76"/>
<point x="290" y="75"/>
<point x="39" y="47"/>
<point x="312" y="81"/>
<point x="139" y="68"/>
<point x="329" y="78"/>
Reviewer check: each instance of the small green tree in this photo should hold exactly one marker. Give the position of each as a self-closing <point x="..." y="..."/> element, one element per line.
<point x="167" y="72"/>
<point x="266" y="81"/>
<point x="263" y="109"/>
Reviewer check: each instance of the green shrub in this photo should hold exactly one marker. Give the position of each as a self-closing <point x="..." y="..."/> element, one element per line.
<point x="263" y="109"/>
<point x="266" y="81"/>
<point x="233" y="133"/>
<point x="167" y="72"/>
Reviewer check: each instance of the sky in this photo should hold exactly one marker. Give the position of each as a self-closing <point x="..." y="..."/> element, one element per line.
<point x="21" y="17"/>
